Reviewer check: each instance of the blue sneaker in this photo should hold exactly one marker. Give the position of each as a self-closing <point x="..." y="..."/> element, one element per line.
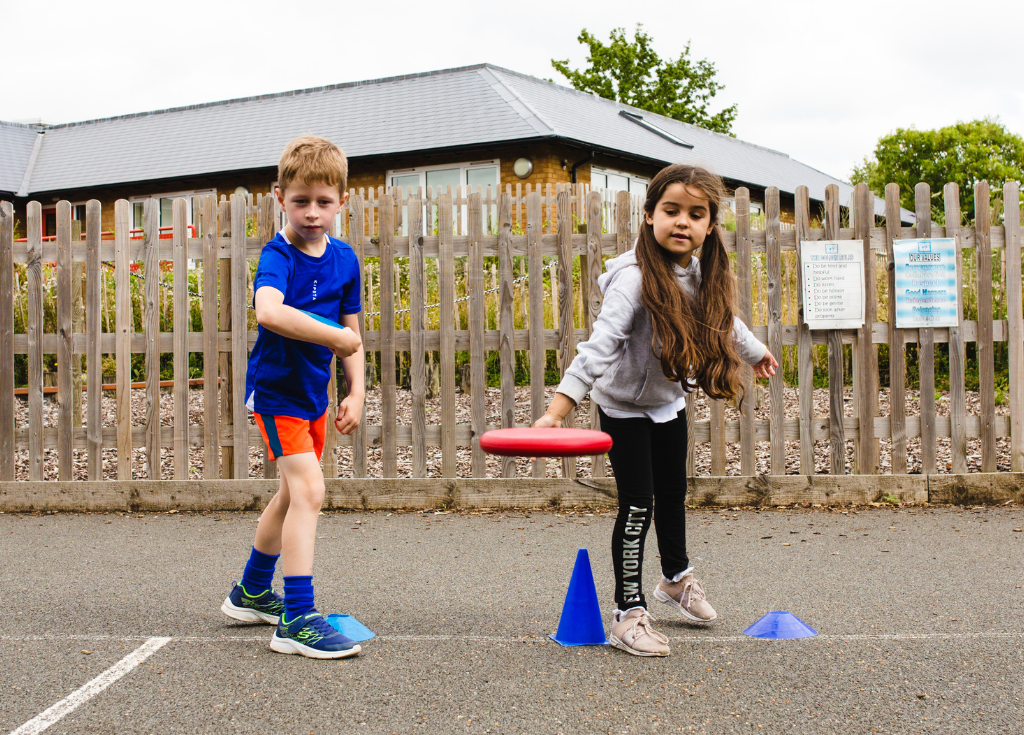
<point x="312" y="636"/>
<point x="266" y="607"/>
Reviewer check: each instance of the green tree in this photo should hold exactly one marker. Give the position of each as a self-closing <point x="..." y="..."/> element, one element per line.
<point x="633" y="73"/>
<point x="964" y="153"/>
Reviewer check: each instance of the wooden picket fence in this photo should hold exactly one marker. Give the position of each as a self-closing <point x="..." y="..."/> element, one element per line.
<point x="414" y="239"/>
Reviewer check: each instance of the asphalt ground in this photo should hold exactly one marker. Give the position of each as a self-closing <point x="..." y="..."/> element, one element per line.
<point x="919" y="613"/>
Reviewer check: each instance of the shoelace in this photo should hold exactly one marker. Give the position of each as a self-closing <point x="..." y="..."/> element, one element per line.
<point x="696" y="590"/>
<point x="322" y="627"/>
<point x="644" y="621"/>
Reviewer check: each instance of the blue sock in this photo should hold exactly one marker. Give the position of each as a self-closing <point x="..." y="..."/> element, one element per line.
<point x="298" y="596"/>
<point x="259" y="572"/>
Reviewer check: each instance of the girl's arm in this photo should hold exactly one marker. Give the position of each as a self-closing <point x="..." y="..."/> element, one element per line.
<point x="560" y="405"/>
<point x="603" y="348"/>
<point x="273" y="314"/>
<point x="751" y="350"/>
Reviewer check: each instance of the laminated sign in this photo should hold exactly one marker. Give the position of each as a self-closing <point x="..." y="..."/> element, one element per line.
<point x="833" y="275"/>
<point x="926" y="291"/>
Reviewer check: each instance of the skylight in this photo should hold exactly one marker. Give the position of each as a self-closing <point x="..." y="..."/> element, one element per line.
<point x="639" y="120"/>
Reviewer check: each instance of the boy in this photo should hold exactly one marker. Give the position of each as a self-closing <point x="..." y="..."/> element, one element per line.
<point x="286" y="389"/>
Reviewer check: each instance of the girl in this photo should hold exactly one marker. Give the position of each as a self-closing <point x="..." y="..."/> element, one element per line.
<point x="667" y="318"/>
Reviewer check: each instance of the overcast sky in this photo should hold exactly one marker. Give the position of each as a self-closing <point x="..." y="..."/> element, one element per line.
<point x="818" y="81"/>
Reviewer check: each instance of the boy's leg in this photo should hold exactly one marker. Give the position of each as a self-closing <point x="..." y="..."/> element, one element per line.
<point x="268" y="530"/>
<point x="305" y="481"/>
<point x="252" y="600"/>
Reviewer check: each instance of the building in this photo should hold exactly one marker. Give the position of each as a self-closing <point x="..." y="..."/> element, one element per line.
<point x="470" y="125"/>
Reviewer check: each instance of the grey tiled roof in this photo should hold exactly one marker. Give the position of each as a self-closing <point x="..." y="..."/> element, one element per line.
<point x="16" y="143"/>
<point x="468" y="106"/>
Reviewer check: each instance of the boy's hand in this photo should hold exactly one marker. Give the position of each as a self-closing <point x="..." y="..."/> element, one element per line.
<point x="346" y="343"/>
<point x="766" y="367"/>
<point x="350" y="413"/>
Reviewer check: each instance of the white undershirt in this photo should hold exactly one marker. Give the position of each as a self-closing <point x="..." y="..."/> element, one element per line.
<point x="659" y="415"/>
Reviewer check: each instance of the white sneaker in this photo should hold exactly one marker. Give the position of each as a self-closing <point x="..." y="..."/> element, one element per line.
<point x="632" y="633"/>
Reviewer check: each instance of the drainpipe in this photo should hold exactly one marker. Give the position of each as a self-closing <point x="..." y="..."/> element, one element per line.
<point x="575" y="166"/>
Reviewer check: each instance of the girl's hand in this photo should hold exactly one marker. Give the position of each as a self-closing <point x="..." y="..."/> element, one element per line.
<point x="350" y="413"/>
<point x="766" y="367"/>
<point x="547" y="421"/>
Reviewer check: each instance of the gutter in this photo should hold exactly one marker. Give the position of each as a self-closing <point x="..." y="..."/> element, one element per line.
<point x="23" y="190"/>
<point x="575" y="166"/>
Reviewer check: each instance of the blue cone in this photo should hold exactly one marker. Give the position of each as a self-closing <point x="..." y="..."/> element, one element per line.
<point x="349" y="627"/>
<point x="581" y="624"/>
<point x="778" y="625"/>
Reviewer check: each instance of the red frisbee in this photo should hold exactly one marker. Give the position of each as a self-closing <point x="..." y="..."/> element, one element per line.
<point x="528" y="442"/>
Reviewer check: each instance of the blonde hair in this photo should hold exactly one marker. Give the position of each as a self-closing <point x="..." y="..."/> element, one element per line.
<point x="312" y="160"/>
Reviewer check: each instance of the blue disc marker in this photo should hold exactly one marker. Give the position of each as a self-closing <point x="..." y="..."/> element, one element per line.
<point x="779" y="625"/>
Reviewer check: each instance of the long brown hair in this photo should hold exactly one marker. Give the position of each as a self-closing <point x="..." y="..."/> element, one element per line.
<point x="693" y="334"/>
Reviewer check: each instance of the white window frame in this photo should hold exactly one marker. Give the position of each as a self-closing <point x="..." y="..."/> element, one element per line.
<point x="464" y="169"/>
<point x="188" y="196"/>
<point x="630" y="178"/>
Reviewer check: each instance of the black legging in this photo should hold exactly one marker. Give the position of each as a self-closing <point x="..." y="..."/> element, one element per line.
<point x="649" y="461"/>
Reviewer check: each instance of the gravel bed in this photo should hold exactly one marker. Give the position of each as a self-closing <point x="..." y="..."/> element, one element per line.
<point x="493" y="401"/>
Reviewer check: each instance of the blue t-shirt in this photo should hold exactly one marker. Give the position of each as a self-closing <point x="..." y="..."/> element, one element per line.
<point x="289" y="377"/>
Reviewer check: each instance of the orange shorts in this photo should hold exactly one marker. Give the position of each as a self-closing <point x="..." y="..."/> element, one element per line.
<point x="289" y="435"/>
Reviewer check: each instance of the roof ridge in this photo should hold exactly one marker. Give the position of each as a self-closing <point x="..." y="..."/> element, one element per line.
<point x="256" y="98"/>
<point x="542" y="125"/>
<point x="623" y="105"/>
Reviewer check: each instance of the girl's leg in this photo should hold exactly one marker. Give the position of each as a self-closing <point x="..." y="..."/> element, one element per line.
<point x="668" y="465"/>
<point x="630" y="457"/>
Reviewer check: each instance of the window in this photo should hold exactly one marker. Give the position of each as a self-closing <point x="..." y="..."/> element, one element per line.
<point x="648" y="125"/>
<point x="474" y="174"/>
<point x="166" y="206"/>
<point x="603" y="178"/>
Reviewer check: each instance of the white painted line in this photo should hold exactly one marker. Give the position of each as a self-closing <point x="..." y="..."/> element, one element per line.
<point x="79" y="697"/>
<point x="520" y="639"/>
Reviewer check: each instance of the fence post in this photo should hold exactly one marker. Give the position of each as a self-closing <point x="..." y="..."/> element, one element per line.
<point x="897" y="352"/>
<point x="477" y="314"/>
<point x="926" y="337"/>
<point x="776" y="387"/>
<point x="745" y="305"/>
<point x="65" y="343"/>
<point x="986" y="365"/>
<point x="356" y="213"/>
<point x="123" y="351"/>
<point x="957" y="344"/>
<point x="805" y="344"/>
<point x="836" y="413"/>
<point x="446" y="289"/>
<point x="386" y="233"/>
<point x="93" y="329"/>
<point x="1015" y="319"/>
<point x="227" y="411"/>
<point x="239" y="335"/>
<point x="6" y="342"/>
<point x="506" y="323"/>
<point x="77" y="323"/>
<point x="208" y="222"/>
<point x="538" y="352"/>
<point x="566" y="326"/>
<point x="35" y="341"/>
<point x="867" y="352"/>
<point x="417" y="377"/>
<point x="151" y="328"/>
<point x="595" y="266"/>
<point x="181" y="321"/>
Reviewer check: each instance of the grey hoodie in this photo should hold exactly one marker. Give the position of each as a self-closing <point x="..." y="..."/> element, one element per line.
<point x="617" y="365"/>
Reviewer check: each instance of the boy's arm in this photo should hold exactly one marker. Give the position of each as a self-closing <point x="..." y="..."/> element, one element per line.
<point x="350" y="410"/>
<point x="273" y="314"/>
